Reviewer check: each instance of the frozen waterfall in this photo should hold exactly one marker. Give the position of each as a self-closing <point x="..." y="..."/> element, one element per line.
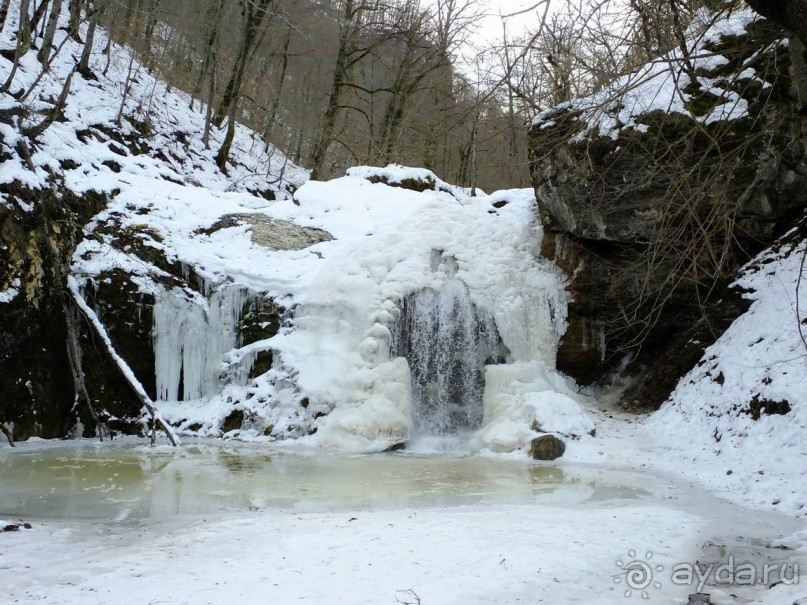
<point x="447" y="341"/>
<point x="191" y="338"/>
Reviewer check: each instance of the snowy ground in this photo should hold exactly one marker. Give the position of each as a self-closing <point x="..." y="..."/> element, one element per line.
<point x="538" y="533"/>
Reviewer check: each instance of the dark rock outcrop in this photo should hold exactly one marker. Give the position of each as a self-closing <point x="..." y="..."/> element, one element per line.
<point x="38" y="233"/>
<point x="651" y="220"/>
<point x="790" y="14"/>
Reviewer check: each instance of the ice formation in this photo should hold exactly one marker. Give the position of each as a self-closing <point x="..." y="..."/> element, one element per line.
<point x="191" y="337"/>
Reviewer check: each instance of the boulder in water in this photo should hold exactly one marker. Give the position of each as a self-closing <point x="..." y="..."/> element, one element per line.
<point x="547" y="447"/>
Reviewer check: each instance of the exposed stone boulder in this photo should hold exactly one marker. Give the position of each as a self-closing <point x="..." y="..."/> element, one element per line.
<point x="414" y="179"/>
<point x="547" y="447"/>
<point x="271" y="233"/>
<point x="650" y="211"/>
<point x="282" y="235"/>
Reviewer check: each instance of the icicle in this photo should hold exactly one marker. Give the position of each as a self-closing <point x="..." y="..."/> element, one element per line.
<point x="191" y="339"/>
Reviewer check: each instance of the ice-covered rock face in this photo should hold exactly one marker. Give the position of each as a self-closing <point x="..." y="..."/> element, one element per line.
<point x="191" y="337"/>
<point x="447" y="341"/>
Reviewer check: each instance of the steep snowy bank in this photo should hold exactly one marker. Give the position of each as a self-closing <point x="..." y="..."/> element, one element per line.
<point x="121" y="130"/>
<point x="737" y="421"/>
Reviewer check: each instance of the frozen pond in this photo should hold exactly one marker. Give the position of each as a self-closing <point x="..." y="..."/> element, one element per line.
<point x="215" y="522"/>
<point x="124" y="481"/>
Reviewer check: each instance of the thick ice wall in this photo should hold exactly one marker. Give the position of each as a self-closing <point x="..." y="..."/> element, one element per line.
<point x="340" y="347"/>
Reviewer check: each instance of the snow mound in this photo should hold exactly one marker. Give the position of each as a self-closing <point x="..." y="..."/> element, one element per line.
<point x="523" y="400"/>
<point x="416" y="179"/>
<point x="743" y="409"/>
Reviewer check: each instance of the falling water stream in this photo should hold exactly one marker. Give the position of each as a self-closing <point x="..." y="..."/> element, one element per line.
<point x="447" y="341"/>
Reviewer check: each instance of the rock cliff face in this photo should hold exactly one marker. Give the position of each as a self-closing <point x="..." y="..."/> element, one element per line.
<point x="655" y="191"/>
<point x="38" y="230"/>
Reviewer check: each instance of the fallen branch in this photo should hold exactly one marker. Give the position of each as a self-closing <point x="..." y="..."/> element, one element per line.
<point x="124" y="368"/>
<point x="798" y="303"/>
<point x="74" y="359"/>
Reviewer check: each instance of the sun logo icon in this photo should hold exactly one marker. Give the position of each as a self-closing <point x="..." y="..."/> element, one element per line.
<point x="637" y="574"/>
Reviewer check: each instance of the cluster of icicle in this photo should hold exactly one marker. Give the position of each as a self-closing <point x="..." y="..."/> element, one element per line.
<point x="192" y="335"/>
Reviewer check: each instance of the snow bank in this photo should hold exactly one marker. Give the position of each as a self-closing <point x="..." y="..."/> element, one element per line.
<point x="417" y="179"/>
<point x="737" y="421"/>
<point x="523" y="400"/>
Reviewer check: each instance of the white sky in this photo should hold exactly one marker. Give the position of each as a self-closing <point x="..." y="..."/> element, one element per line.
<point x="491" y="27"/>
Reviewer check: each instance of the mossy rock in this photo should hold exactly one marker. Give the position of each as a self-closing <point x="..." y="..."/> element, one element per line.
<point x="547" y="447"/>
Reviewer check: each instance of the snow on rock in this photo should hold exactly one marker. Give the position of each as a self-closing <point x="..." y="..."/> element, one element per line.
<point x="10" y="293"/>
<point x="417" y="179"/>
<point x="663" y="85"/>
<point x="737" y="421"/>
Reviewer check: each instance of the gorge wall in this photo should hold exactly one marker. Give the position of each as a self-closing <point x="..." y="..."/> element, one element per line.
<point x="656" y="190"/>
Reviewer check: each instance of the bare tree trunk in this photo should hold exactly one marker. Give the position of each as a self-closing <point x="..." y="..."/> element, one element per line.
<point x="224" y="152"/>
<point x="23" y="43"/>
<point x="50" y="32"/>
<point x="75" y="19"/>
<point x="254" y="16"/>
<point x="211" y="91"/>
<point x="108" y="52"/>
<point x="124" y="368"/>
<point x="126" y="87"/>
<point x="33" y="132"/>
<point x="270" y="123"/>
<point x="148" y="31"/>
<point x="39" y="13"/>
<point x="86" y="53"/>
<point x="473" y="160"/>
<point x="326" y="135"/>
<point x="74" y="359"/>
<point x="211" y="41"/>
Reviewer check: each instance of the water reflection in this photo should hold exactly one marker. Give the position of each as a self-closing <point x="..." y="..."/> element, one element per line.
<point x="131" y="483"/>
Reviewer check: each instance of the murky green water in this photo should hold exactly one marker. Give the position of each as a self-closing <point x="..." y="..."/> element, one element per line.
<point x="130" y="482"/>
